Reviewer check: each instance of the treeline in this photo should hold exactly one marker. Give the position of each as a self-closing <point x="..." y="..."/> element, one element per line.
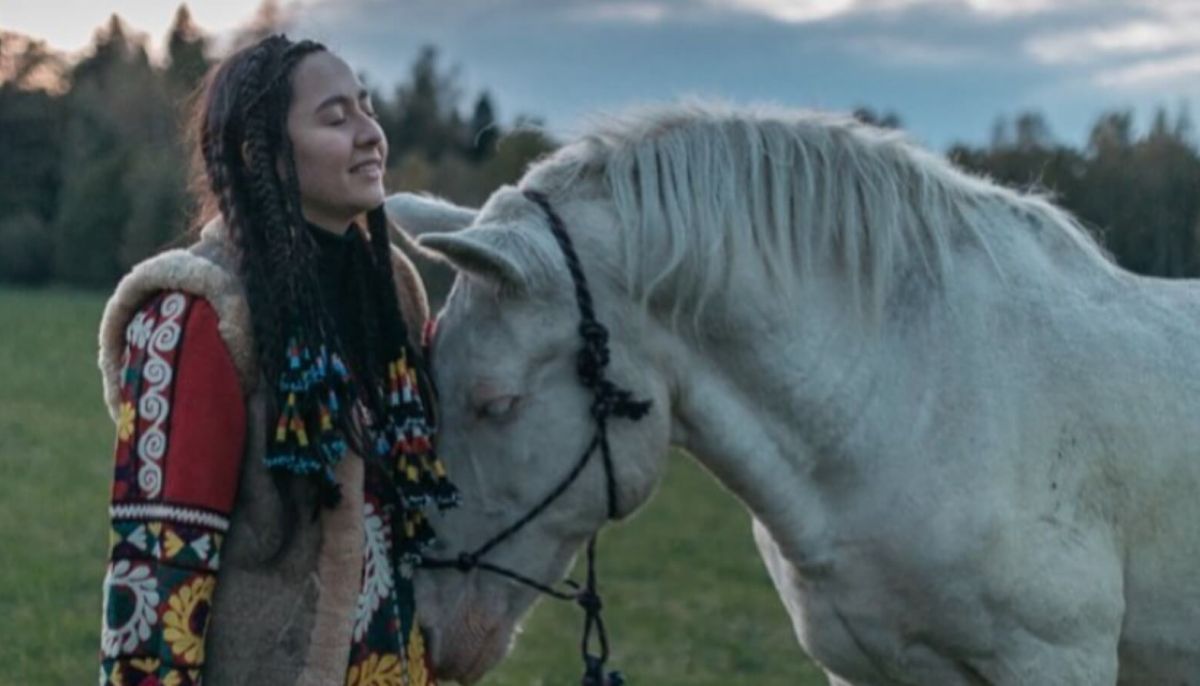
<point x="94" y="172"/>
<point x="94" y="169"/>
<point x="1139" y="194"/>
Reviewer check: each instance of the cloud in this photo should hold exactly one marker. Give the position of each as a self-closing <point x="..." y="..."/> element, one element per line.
<point x="793" y="12"/>
<point x="1151" y="72"/>
<point x="1132" y="38"/>
<point x="948" y="67"/>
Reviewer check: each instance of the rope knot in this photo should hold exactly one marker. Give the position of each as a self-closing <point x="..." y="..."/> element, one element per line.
<point x="590" y="601"/>
<point x="594" y="355"/>
<point x="605" y="401"/>
<point x="466" y="562"/>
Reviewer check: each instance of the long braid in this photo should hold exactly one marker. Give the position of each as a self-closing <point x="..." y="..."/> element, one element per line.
<point x="243" y="140"/>
<point x="420" y="477"/>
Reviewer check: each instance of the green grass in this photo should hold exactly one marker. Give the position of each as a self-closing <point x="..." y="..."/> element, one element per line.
<point x="687" y="599"/>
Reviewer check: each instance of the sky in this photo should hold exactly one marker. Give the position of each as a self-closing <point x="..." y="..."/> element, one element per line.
<point x="947" y="67"/>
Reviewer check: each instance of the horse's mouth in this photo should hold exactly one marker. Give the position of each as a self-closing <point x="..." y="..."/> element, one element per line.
<point x="465" y="655"/>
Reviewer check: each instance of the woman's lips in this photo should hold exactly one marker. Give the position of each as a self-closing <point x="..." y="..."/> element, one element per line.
<point x="372" y="169"/>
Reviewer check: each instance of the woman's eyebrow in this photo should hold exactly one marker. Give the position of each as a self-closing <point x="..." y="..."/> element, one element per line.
<point x="341" y="99"/>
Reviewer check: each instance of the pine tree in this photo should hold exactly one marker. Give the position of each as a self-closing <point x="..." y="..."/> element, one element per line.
<point x="186" y="52"/>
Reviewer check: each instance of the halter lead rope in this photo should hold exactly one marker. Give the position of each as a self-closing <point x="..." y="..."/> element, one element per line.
<point x="608" y="400"/>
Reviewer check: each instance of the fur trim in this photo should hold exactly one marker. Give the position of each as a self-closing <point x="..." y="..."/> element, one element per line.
<point x="181" y="270"/>
<point x="410" y="292"/>
<point x="339" y="573"/>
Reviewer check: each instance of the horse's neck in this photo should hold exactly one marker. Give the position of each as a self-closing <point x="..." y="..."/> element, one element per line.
<point x="764" y="409"/>
<point x="797" y="396"/>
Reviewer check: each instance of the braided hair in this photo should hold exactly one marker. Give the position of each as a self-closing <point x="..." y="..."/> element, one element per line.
<point x="244" y="168"/>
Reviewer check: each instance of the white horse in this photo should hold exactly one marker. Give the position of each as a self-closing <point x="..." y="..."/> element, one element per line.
<point x="970" y="443"/>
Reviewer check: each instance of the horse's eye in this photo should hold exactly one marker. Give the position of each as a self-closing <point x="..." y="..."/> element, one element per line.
<point x="497" y="408"/>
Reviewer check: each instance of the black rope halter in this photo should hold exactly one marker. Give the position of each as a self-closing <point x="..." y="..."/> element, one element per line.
<point x="608" y="400"/>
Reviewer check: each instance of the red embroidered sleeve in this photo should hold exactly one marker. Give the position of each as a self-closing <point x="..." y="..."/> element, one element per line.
<point x="180" y="436"/>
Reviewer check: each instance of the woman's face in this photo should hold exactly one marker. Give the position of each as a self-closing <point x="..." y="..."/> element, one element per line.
<point x="339" y="148"/>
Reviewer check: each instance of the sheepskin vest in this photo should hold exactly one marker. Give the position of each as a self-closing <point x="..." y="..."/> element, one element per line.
<point x="275" y="618"/>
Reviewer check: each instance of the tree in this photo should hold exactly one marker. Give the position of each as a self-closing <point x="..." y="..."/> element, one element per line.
<point x="117" y="106"/>
<point x="186" y="52"/>
<point x="424" y="115"/>
<point x="1032" y="131"/>
<point x="25" y="249"/>
<point x="485" y="131"/>
<point x="268" y="19"/>
<point x="28" y="64"/>
<point x="31" y="126"/>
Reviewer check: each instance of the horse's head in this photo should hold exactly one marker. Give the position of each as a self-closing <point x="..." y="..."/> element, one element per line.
<point x="514" y="416"/>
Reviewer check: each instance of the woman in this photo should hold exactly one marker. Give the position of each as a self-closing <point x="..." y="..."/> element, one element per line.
<point x="273" y="447"/>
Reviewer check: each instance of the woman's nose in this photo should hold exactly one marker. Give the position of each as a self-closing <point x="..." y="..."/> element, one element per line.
<point x="370" y="134"/>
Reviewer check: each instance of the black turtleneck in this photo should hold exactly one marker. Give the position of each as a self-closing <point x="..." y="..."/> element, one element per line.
<point x="339" y="257"/>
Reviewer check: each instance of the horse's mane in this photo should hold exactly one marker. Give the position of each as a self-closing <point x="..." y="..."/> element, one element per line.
<point x="786" y="191"/>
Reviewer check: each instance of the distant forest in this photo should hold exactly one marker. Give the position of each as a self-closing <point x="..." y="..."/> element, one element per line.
<point x="94" y="171"/>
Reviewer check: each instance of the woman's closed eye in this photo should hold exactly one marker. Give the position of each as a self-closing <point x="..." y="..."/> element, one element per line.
<point x="499" y="407"/>
<point x="336" y="117"/>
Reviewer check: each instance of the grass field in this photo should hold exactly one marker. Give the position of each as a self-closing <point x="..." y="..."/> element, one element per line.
<point x="687" y="599"/>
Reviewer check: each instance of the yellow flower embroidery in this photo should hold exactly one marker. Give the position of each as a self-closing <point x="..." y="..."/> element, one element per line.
<point x="376" y="670"/>
<point x="145" y="664"/>
<point x="173" y="678"/>
<point x="417" y="674"/>
<point x="125" y="420"/>
<point x="172" y="543"/>
<point x="179" y="619"/>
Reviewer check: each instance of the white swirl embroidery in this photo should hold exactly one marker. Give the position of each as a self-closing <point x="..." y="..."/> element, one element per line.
<point x="154" y="406"/>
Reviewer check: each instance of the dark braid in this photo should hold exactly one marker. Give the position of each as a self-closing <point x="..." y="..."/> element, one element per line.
<point x="243" y="131"/>
<point x="243" y="140"/>
<point x="376" y="289"/>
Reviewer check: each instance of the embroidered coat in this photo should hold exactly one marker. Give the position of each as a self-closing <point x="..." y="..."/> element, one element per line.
<point x="194" y="592"/>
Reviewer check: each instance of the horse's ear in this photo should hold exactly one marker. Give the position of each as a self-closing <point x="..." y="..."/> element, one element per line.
<point x="420" y="214"/>
<point x="485" y="251"/>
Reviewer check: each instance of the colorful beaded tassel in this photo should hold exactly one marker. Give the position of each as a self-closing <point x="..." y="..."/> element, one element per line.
<point x="406" y="443"/>
<point x="308" y="438"/>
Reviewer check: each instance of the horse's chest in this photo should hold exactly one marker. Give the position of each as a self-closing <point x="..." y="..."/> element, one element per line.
<point x="879" y="624"/>
<point x="869" y="637"/>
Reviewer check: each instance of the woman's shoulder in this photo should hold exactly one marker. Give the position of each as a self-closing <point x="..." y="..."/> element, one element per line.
<point x="177" y="279"/>
<point x="161" y="322"/>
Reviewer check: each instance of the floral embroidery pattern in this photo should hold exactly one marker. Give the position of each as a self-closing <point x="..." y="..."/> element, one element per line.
<point x="185" y="619"/>
<point x="129" y="607"/>
<point x="377" y="670"/>
<point x="418" y="674"/>
<point x="386" y="632"/>
<point x="125" y="421"/>
<point x="377" y="573"/>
